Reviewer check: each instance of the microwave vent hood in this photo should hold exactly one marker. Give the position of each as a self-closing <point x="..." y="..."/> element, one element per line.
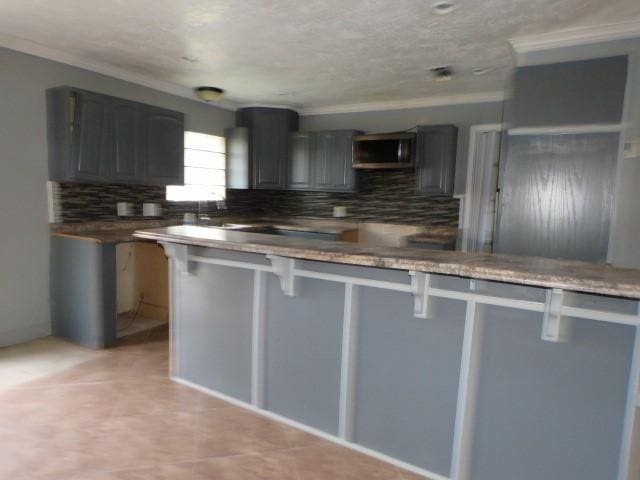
<point x="384" y="150"/>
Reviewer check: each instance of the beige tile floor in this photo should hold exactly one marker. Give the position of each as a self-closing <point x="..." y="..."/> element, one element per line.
<point x="119" y="417"/>
<point x="45" y="356"/>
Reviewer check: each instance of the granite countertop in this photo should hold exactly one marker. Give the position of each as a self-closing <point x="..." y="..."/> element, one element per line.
<point x="101" y="236"/>
<point x="120" y="231"/>
<point x="432" y="237"/>
<point x="535" y="271"/>
<point x="317" y="228"/>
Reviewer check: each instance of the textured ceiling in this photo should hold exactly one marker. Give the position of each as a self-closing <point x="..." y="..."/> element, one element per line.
<point x="303" y="53"/>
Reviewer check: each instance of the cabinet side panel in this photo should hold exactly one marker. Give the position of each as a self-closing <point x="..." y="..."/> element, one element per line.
<point x="79" y="306"/>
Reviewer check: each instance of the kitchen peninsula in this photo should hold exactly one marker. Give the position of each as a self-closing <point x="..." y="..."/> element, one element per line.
<point x="457" y="366"/>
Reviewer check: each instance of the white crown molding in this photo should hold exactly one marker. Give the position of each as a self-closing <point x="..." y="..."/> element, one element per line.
<point x="424" y="102"/>
<point x="572" y="37"/>
<point x="33" y="48"/>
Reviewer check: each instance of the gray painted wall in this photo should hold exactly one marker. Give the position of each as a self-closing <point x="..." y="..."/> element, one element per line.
<point x="24" y="257"/>
<point x="463" y="116"/>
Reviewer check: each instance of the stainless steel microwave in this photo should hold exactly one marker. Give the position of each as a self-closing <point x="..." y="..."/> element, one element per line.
<point x="384" y="150"/>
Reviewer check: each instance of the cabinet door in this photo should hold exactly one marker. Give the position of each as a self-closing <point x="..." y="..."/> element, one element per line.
<point x="164" y="147"/>
<point x="90" y="149"/>
<point x="333" y="153"/>
<point x="127" y="142"/>
<point x="269" y="150"/>
<point x="300" y="165"/>
<point x="436" y="155"/>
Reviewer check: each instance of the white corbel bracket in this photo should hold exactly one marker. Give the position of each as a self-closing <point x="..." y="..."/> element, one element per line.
<point x="555" y="328"/>
<point x="180" y="256"/>
<point x="420" y="289"/>
<point x="284" y="268"/>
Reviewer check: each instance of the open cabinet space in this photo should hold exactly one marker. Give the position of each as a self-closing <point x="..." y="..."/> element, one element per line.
<point x="142" y="288"/>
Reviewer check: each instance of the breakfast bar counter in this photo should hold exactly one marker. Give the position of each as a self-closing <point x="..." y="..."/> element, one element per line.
<point x="453" y="365"/>
<point x="536" y="271"/>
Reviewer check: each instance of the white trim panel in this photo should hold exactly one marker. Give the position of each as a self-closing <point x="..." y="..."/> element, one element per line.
<point x="572" y="37"/>
<point x="258" y="338"/>
<point x="467" y="393"/>
<point x="348" y="361"/>
<point x="568" y="129"/>
<point x="424" y="102"/>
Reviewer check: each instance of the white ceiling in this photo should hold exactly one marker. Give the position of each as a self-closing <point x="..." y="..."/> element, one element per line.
<point x="305" y="54"/>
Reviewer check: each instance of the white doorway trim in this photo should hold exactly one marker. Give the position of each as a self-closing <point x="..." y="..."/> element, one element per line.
<point x="474" y="168"/>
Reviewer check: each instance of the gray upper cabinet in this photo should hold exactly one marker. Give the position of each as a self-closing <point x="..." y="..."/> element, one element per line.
<point x="90" y="146"/>
<point x="98" y="138"/>
<point x="268" y="147"/>
<point x="569" y="93"/>
<point x="164" y="136"/>
<point x="333" y="156"/>
<point x="436" y="158"/>
<point x="127" y="142"/>
<point x="321" y="161"/>
<point x="300" y="165"/>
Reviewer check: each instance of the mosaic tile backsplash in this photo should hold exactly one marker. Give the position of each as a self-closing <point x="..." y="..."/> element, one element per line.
<point x="382" y="196"/>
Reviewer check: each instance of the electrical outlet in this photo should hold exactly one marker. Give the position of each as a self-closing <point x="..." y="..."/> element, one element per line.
<point x="339" y="212"/>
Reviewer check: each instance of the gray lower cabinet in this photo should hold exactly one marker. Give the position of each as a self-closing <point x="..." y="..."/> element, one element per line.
<point x="83" y="291"/>
<point x="98" y="138"/>
<point x="268" y="144"/>
<point x="322" y="161"/>
<point x="436" y="158"/>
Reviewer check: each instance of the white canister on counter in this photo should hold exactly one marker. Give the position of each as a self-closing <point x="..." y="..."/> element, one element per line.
<point x="125" y="209"/>
<point x="190" y="219"/>
<point x="151" y="209"/>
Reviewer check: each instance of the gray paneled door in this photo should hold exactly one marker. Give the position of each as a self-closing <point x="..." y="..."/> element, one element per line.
<point x="556" y="196"/>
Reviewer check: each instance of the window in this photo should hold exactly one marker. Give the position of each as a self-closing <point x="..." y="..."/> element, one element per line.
<point x="204" y="164"/>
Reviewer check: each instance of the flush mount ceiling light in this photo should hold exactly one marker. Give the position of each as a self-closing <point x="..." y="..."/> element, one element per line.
<point x="442" y="74"/>
<point x="209" y="94"/>
<point x="443" y="7"/>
